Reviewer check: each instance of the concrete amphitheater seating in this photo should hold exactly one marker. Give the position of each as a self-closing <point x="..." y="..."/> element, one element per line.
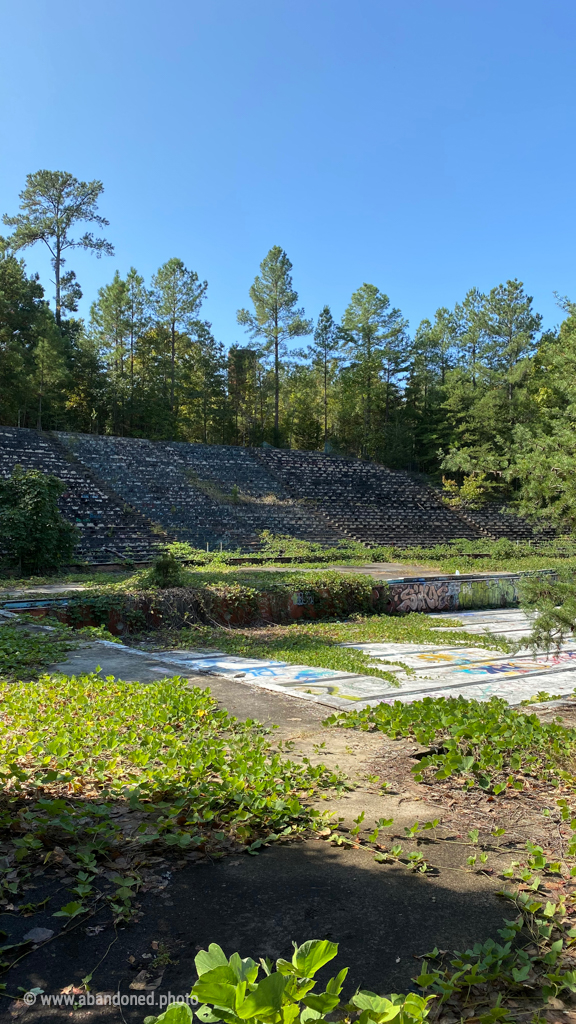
<point x="377" y="505"/>
<point x="108" y="528"/>
<point x="369" y="502"/>
<point x="188" y="489"/>
<point x="121" y="490"/>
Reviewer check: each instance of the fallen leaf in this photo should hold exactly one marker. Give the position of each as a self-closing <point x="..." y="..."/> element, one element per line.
<point x="17" y="1008"/>
<point x="139" y="982"/>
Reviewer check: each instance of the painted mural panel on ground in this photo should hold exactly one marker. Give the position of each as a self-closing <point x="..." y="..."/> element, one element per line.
<point x="425" y="670"/>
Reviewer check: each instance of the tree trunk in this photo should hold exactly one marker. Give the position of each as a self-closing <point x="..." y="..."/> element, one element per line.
<point x="172" y="364"/>
<point x="325" y="396"/>
<point x="276" y="381"/>
<point x="57" y="261"/>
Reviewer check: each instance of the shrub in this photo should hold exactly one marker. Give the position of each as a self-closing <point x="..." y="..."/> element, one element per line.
<point x="33" y="532"/>
<point x="166" y="571"/>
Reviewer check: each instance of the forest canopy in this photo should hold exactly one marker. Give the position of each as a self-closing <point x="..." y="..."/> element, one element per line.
<point x="478" y="395"/>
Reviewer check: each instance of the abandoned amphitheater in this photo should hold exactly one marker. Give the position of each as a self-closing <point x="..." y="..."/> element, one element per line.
<point x="126" y="495"/>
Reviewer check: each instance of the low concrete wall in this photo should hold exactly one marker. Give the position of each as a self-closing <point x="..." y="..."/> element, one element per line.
<point x="177" y="607"/>
<point x="447" y="593"/>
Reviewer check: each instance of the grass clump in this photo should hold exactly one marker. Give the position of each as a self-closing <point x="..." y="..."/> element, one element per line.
<point x="492" y="555"/>
<point x="74" y="751"/>
<point x="487" y="743"/>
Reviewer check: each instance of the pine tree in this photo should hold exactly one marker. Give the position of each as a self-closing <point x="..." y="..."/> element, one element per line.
<point x="176" y="298"/>
<point x="276" y="318"/>
<point x="52" y="203"/>
<point x="324" y="355"/>
<point x="375" y="338"/>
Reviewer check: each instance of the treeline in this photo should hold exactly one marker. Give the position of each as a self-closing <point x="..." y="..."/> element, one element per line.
<point x="479" y="394"/>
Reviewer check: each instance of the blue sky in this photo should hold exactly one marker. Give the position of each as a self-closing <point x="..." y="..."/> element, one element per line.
<point x="424" y="146"/>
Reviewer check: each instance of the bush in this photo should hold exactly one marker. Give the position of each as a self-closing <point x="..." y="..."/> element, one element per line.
<point x="33" y="532"/>
<point x="166" y="571"/>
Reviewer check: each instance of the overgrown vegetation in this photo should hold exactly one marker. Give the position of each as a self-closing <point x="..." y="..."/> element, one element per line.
<point x="229" y="990"/>
<point x="74" y="749"/>
<point x="23" y="652"/>
<point x="318" y="643"/>
<point x="487" y="743"/>
<point x="223" y="594"/>
<point x="481" y="392"/>
<point x="554" y="601"/>
<point x="34" y="536"/>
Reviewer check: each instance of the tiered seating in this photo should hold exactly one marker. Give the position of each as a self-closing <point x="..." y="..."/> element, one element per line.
<point x="498" y="521"/>
<point x="187" y="488"/>
<point x="108" y="529"/>
<point x="377" y="505"/>
<point x="119" y="488"/>
<point x="369" y="502"/>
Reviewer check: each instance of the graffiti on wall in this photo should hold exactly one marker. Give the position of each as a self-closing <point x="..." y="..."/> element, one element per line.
<point x="447" y="595"/>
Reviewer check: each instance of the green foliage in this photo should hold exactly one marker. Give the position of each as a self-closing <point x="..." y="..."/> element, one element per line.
<point x="166" y="571"/>
<point x="488" y="555"/>
<point x="218" y="593"/>
<point x="487" y="742"/>
<point x="374" y="335"/>
<point x="534" y="955"/>
<point x="52" y="202"/>
<point x="34" y="534"/>
<point x="276" y="318"/>
<point x="319" y="643"/>
<point x="230" y="990"/>
<point x="23" y="652"/>
<point x="474" y="491"/>
<point x="479" y="392"/>
<point x="72" y="747"/>
<point x="553" y="598"/>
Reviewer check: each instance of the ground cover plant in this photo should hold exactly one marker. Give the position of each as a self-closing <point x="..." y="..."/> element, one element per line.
<point x="97" y="768"/>
<point x="500" y="766"/>
<point x="488" y="743"/>
<point x="516" y="979"/>
<point x="24" y="652"/>
<point x="492" y="556"/>
<point x="465" y="556"/>
<point x="229" y="990"/>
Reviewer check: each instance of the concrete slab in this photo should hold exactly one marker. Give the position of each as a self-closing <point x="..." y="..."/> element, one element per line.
<point x="382" y="917"/>
<point x="42" y="590"/>
<point x="425" y="669"/>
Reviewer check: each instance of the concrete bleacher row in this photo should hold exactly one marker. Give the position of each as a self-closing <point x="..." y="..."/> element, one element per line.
<point x="498" y="521"/>
<point x="187" y="488"/>
<point x="370" y="503"/>
<point x="377" y="505"/>
<point x="108" y="528"/>
<point x="123" y="492"/>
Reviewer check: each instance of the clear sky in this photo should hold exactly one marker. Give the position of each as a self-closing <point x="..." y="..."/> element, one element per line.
<point x="424" y="146"/>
